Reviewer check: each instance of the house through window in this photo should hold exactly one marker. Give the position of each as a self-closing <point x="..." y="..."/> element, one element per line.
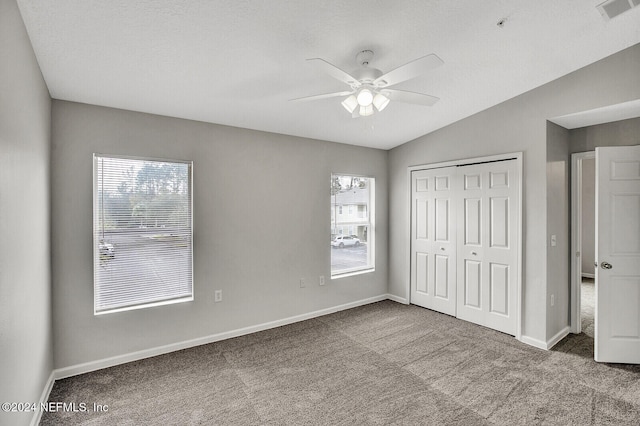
<point x="352" y="242"/>
<point x="142" y="233"/>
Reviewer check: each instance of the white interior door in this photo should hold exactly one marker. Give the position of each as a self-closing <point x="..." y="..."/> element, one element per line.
<point x="617" y="322"/>
<point x="433" y="255"/>
<point x="487" y="241"/>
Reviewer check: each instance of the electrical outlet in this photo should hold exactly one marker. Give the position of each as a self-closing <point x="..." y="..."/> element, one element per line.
<point x="302" y="283"/>
<point x="554" y="242"/>
<point x="217" y="296"/>
<point x="321" y="281"/>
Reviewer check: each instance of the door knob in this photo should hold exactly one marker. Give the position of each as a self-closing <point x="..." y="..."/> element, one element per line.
<point x="606" y="265"/>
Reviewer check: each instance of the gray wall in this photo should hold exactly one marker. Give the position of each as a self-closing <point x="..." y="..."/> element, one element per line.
<point x="558" y="205"/>
<point x="616" y="133"/>
<point x="519" y="124"/>
<point x="25" y="293"/>
<point x="261" y="222"/>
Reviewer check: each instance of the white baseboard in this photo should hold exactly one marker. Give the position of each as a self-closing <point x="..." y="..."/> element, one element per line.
<point x="398" y="299"/>
<point x="87" y="367"/>
<point x="533" y="342"/>
<point x="549" y="343"/>
<point x="44" y="397"/>
<point x="559" y="336"/>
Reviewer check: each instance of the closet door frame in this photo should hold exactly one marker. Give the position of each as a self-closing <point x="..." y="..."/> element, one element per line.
<point x="517" y="156"/>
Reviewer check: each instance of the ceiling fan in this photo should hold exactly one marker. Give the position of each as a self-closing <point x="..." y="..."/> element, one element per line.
<point x="369" y="87"/>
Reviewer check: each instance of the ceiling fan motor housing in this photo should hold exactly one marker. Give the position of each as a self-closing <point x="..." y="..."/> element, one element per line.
<point x="367" y="75"/>
<point x="364" y="73"/>
<point x="364" y="57"/>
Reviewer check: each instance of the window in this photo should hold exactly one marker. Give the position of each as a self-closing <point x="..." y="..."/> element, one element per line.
<point x="142" y="233"/>
<point x="362" y="211"/>
<point x="352" y="239"/>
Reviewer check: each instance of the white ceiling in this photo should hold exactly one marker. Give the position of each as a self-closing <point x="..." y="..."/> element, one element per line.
<point x="239" y="62"/>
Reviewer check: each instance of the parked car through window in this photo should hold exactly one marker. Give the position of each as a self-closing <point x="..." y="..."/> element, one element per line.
<point x="344" y="241"/>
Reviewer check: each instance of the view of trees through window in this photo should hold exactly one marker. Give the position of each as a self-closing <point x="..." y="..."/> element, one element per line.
<point x="153" y="195"/>
<point x="351" y="224"/>
<point x="142" y="232"/>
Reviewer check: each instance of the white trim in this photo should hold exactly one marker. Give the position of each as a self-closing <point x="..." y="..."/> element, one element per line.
<point x="398" y="299"/>
<point x="558" y="337"/>
<point x="549" y="343"/>
<point x="520" y="228"/>
<point x="576" y="237"/>
<point x="533" y="342"/>
<point x="351" y="273"/>
<point x="585" y="275"/>
<point x="467" y="161"/>
<point x="518" y="156"/>
<point x="87" y="367"/>
<point x="144" y="305"/>
<point x="98" y="162"/>
<point x="371" y="232"/>
<point x="44" y="397"/>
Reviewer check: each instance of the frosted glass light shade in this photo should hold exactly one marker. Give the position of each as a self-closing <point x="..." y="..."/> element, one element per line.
<point x="366" y="110"/>
<point x="380" y="101"/>
<point x="365" y="97"/>
<point x="350" y="104"/>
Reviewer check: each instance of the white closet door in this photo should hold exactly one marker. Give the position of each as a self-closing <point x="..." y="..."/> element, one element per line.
<point x="433" y="251"/>
<point x="487" y="220"/>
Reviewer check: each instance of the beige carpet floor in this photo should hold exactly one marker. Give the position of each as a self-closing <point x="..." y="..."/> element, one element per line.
<point x="383" y="363"/>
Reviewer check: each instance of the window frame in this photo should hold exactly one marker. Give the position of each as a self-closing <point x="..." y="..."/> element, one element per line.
<point x="95" y="221"/>
<point x="369" y="224"/>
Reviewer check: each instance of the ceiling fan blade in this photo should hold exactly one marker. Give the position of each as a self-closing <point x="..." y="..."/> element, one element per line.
<point x="323" y="96"/>
<point x="408" y="71"/>
<point x="335" y="72"/>
<point x="410" y="97"/>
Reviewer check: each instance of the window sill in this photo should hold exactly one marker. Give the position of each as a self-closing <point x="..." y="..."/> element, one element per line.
<point x="350" y="273"/>
<point x="144" y="305"/>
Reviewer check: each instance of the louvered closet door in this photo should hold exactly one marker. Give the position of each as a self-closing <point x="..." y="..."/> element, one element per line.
<point x="433" y="255"/>
<point x="487" y="220"/>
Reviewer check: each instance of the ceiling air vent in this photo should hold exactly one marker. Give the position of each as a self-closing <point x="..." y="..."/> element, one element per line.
<point x="612" y="8"/>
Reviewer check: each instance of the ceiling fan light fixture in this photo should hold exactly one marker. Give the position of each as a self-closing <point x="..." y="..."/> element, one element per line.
<point x="366" y="110"/>
<point x="365" y="97"/>
<point x="350" y="103"/>
<point x="370" y="89"/>
<point x="380" y="101"/>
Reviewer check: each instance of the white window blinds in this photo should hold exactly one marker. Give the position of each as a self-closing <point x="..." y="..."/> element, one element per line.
<point x="142" y="239"/>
